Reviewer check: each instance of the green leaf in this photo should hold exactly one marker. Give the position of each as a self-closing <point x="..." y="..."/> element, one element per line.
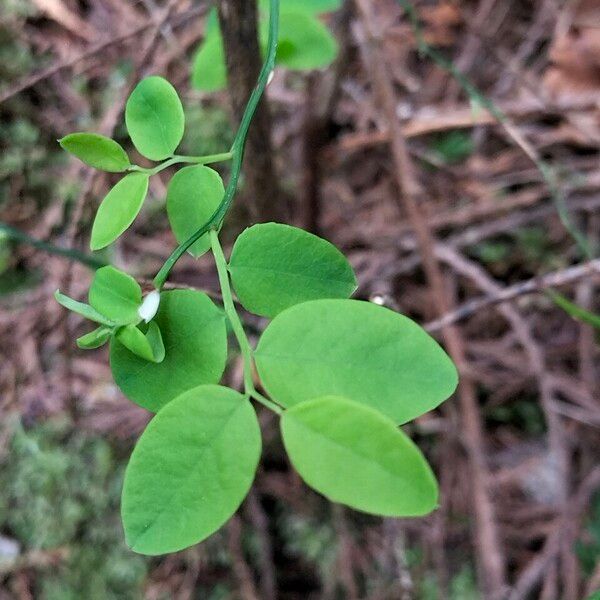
<point x="275" y="266"/>
<point x="154" y="118"/>
<point x="357" y="350"/>
<point x="148" y="346"/>
<point x="97" y="151"/>
<point x="190" y="470"/>
<point x="94" y="339"/>
<point x="85" y="310"/>
<point x="116" y="295"/>
<point x="195" y="340"/>
<point x="354" y="455"/>
<point x="193" y="195"/>
<point x="313" y="7"/>
<point x="577" y="312"/>
<point x="304" y="42"/>
<point x="209" y="73"/>
<point x="119" y="209"/>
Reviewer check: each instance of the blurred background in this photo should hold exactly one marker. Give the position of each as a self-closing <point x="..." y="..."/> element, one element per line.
<point x="451" y="150"/>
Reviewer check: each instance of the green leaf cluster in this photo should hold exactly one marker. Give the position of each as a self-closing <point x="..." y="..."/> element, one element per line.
<point x="115" y="302"/>
<point x="305" y="43"/>
<point x="155" y="122"/>
<point x="341" y="374"/>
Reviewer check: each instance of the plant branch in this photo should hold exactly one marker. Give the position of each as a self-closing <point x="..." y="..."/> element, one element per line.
<point x="21" y="237"/>
<point x="236" y="323"/>
<point x="237" y="150"/>
<point x="531" y="286"/>
<point x="175" y="160"/>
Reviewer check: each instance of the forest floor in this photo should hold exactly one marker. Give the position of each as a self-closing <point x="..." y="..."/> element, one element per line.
<point x="463" y="182"/>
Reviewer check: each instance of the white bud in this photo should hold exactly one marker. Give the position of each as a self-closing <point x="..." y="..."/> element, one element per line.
<point x="149" y="306"/>
<point x="270" y="78"/>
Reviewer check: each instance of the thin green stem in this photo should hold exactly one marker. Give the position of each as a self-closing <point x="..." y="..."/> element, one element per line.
<point x="175" y="160"/>
<point x="236" y="323"/>
<point x="20" y="236"/>
<point x="237" y="150"/>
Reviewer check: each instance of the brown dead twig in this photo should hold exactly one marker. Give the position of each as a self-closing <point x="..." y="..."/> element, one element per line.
<point x="94" y="50"/>
<point x="500" y="294"/>
<point x="489" y="556"/>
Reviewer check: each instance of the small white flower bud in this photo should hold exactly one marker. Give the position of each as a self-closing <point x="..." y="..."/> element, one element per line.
<point x="149" y="306"/>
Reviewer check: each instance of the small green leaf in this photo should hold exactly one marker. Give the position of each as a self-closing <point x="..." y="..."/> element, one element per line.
<point x="85" y="310"/>
<point x="119" y="209"/>
<point x="154" y="337"/>
<point x="313" y="7"/>
<point x="116" y="295"/>
<point x="357" y="350"/>
<point x="94" y="339"/>
<point x="304" y="42"/>
<point x="209" y="73"/>
<point x="577" y="312"/>
<point x="154" y="118"/>
<point x="97" y="151"/>
<point x="193" y="195"/>
<point x="195" y="341"/>
<point x="354" y="455"/>
<point x="148" y="346"/>
<point x="190" y="470"/>
<point x="275" y="266"/>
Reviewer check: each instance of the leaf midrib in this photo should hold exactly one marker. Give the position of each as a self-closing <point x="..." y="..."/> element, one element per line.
<point x="198" y="463"/>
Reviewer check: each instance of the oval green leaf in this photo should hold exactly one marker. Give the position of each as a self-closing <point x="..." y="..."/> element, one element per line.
<point x="195" y="341"/>
<point x="116" y="295"/>
<point x="119" y="209"/>
<point x="357" y="350"/>
<point x="148" y="346"/>
<point x="97" y="151"/>
<point x="209" y="73"/>
<point x="94" y="339"/>
<point x="354" y="455"/>
<point x="193" y="195"/>
<point x="313" y="7"/>
<point x="154" y="118"/>
<point x="275" y="266"/>
<point x="85" y="310"/>
<point x="304" y="42"/>
<point x="190" y="470"/>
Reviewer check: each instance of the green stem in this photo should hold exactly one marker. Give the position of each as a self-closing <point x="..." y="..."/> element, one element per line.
<point x="237" y="150"/>
<point x="175" y="160"/>
<point x="236" y="323"/>
<point x="19" y="236"/>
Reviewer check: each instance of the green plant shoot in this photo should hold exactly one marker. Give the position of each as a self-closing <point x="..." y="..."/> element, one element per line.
<point x="341" y="374"/>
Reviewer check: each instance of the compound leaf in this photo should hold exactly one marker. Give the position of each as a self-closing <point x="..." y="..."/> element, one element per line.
<point x="195" y="341"/>
<point x="190" y="470"/>
<point x="154" y="118"/>
<point x="357" y="350"/>
<point x="356" y="456"/>
<point x="85" y="310"/>
<point x="275" y="266"/>
<point x="97" y="151"/>
<point x="94" y="339"/>
<point x="116" y="295"/>
<point x="119" y="209"/>
<point x="148" y="346"/>
<point x="193" y="195"/>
